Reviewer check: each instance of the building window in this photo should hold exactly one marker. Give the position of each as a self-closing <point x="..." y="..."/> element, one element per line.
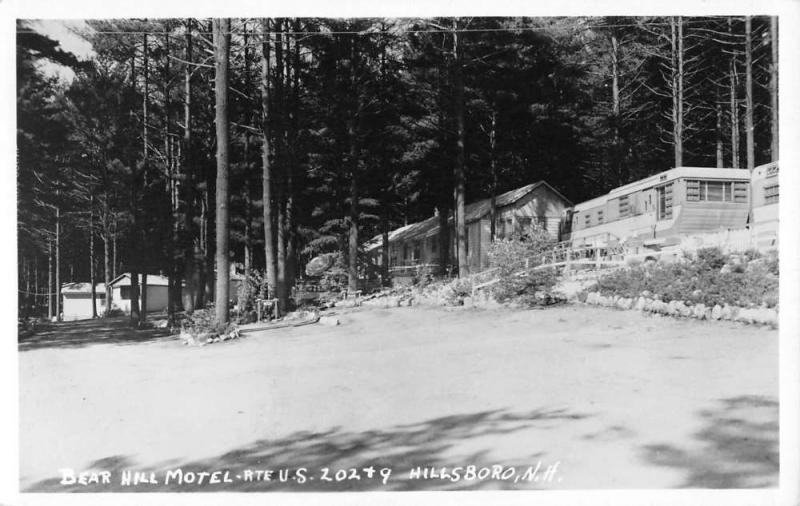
<point x="587" y="220"/>
<point x="599" y="216"/>
<point x="524" y="224"/>
<point x="125" y="292"/>
<point x="664" y="194"/>
<point x="771" y="194"/>
<point x="434" y="244"/>
<point x="405" y="253"/>
<point x="416" y="251"/>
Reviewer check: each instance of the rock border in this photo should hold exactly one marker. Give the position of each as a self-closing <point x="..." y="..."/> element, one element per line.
<point x="759" y="316"/>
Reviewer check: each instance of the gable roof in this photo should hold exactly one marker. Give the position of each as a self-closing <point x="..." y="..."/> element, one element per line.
<point x="79" y="287"/>
<point x="152" y="280"/>
<point x="481" y="208"/>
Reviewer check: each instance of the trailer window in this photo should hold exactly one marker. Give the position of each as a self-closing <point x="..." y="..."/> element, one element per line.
<point x="624" y="206"/>
<point x="664" y="194"/>
<point x="716" y="191"/>
<point x="771" y="194"/>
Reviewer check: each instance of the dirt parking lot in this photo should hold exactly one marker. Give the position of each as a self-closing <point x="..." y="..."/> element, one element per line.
<point x="571" y="397"/>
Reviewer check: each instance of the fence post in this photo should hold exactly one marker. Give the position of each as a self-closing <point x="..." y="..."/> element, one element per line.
<point x="597" y="258"/>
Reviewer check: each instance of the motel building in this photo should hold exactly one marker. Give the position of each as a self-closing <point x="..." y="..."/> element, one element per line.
<point x="516" y="212"/>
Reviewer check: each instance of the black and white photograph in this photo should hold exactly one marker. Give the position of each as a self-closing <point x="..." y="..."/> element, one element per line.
<point x="518" y="254"/>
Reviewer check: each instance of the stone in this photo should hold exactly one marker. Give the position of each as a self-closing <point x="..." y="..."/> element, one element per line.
<point x="716" y="312"/>
<point x="639" y="304"/>
<point x="771" y="317"/>
<point x="329" y="320"/>
<point x="700" y="311"/>
<point x="727" y="312"/>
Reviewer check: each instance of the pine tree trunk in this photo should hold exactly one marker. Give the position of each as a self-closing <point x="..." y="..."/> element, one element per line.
<point x="720" y="149"/>
<point x="91" y="256"/>
<point x="385" y="279"/>
<point x="293" y="82"/>
<point x="222" y="41"/>
<point x="734" y="105"/>
<point x="248" y="204"/>
<point x="493" y="168"/>
<point x="352" y="250"/>
<point x="190" y="252"/>
<point x="143" y="309"/>
<point x="50" y="280"/>
<point x="282" y="159"/>
<point x="773" y="88"/>
<point x="748" y="113"/>
<point x="267" y="190"/>
<point x="107" y="271"/>
<point x="676" y="25"/>
<point x="615" y="113"/>
<point x="459" y="190"/>
<point x="58" y="263"/>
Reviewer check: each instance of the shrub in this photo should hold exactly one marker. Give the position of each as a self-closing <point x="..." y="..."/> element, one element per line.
<point x="700" y="279"/>
<point x="709" y="258"/>
<point x="423" y="277"/>
<point x="456" y="291"/>
<point x="249" y="291"/>
<point x="202" y="325"/>
<point x="532" y="288"/>
<point x="510" y="254"/>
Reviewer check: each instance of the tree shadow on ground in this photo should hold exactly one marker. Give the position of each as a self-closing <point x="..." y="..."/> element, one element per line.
<point x="77" y="334"/>
<point x="739" y="447"/>
<point x="400" y="448"/>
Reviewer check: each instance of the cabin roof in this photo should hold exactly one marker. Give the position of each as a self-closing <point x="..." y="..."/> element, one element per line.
<point x="152" y="280"/>
<point x="80" y="287"/>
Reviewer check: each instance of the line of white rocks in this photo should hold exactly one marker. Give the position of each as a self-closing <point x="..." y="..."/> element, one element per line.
<point x="760" y="315"/>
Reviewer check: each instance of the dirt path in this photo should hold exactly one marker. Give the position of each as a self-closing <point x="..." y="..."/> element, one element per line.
<point x="601" y="398"/>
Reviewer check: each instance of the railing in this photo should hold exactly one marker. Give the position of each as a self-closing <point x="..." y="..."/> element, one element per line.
<point x="561" y="255"/>
<point x="412" y="270"/>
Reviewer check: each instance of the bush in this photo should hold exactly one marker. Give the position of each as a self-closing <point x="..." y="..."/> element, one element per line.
<point x="203" y="325"/>
<point x="533" y="288"/>
<point x="456" y="291"/>
<point x="530" y="288"/>
<point x="709" y="277"/>
<point x="509" y="254"/>
<point x="424" y="276"/>
<point x="709" y="258"/>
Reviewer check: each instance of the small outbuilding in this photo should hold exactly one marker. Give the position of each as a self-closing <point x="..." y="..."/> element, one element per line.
<point x="157" y="292"/>
<point x="77" y="300"/>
